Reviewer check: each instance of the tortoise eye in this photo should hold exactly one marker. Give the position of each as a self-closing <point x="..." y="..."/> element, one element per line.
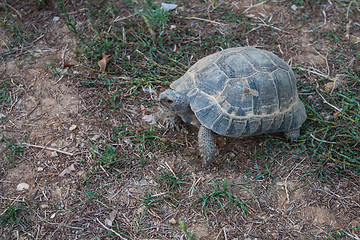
<point x="169" y="101"/>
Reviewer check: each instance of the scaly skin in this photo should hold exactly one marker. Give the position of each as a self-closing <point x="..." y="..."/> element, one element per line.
<point x="206" y="145"/>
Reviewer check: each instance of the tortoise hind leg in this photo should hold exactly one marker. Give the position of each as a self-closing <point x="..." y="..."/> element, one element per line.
<point x="292" y="135"/>
<point x="206" y="145"/>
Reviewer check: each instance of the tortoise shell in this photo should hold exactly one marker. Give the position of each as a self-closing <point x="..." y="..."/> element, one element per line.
<point x="243" y="91"/>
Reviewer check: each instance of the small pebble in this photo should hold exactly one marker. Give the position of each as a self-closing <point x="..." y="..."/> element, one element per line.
<point x="73" y="127"/>
<point x="22" y="186"/>
<point x="172" y="221"/>
<point x="294" y="7"/>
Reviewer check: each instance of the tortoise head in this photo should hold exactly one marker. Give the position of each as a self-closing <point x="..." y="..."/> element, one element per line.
<point x="176" y="102"/>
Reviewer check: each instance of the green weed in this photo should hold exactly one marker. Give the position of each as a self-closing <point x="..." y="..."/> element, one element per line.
<point x="153" y="15"/>
<point x="12" y="150"/>
<point x="4" y="91"/>
<point x="345" y="232"/>
<point x="299" y="2"/>
<point x="14" y="214"/>
<point x="90" y="196"/>
<point x="171" y="180"/>
<point x="18" y="38"/>
<point x="149" y="200"/>
<point x="221" y="197"/>
<point x="108" y="157"/>
<point x="332" y="130"/>
<point x="189" y="235"/>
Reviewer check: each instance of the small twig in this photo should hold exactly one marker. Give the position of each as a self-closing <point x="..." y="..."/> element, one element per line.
<point x="324" y="13"/>
<point x="314" y="72"/>
<point x="170" y="169"/>
<point x="350" y="235"/>
<point x="47" y="148"/>
<point x="320" y="140"/>
<point x="206" y="20"/>
<point x="326" y="61"/>
<point x="329" y="5"/>
<point x="102" y="168"/>
<point x="348" y="10"/>
<point x="17" y="12"/>
<point x="285" y="182"/>
<point x="347" y="35"/>
<point x="159" y="194"/>
<point x="325" y="101"/>
<point x="117" y="19"/>
<point x="109" y="229"/>
<point x="225" y="233"/>
<point x="254" y="6"/>
<point x="193" y="186"/>
<point x="217" y="237"/>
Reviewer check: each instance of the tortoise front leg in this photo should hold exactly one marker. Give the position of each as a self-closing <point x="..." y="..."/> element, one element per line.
<point x="292" y="135"/>
<point x="206" y="145"/>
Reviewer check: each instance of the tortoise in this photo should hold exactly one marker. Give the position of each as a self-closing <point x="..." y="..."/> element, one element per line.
<point x="236" y="92"/>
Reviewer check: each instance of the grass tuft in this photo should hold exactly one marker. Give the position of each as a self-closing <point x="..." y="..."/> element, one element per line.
<point x="220" y="196"/>
<point x="14" y="214"/>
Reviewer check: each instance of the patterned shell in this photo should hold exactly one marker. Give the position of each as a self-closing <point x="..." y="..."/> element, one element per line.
<point x="243" y="91"/>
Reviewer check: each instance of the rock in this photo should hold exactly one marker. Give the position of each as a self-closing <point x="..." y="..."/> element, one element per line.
<point x="22" y="186"/>
<point x="172" y="221"/>
<point x="73" y="127"/>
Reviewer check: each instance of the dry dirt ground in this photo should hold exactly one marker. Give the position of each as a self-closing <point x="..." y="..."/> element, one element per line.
<point x="62" y="125"/>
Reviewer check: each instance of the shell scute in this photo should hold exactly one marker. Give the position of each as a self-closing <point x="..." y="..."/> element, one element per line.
<point x="210" y="79"/>
<point x="235" y="65"/>
<point x="184" y="83"/>
<point x="266" y="101"/>
<point x="221" y="123"/>
<point x="235" y="99"/>
<point x="260" y="61"/>
<point x="284" y="89"/>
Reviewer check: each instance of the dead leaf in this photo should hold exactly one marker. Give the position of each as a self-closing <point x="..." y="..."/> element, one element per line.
<point x="142" y="107"/>
<point x="67" y="170"/>
<point x="104" y="61"/>
<point x="172" y="221"/>
<point x="336" y="115"/>
<point x="73" y="127"/>
<point x="168" y="6"/>
<point x="329" y="87"/>
<point x="150" y="119"/>
<point x="69" y="63"/>
<point x="112" y="216"/>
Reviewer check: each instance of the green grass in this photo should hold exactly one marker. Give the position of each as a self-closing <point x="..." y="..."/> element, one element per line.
<point x="144" y="64"/>
<point x="331" y="133"/>
<point x="345" y="232"/>
<point x="17" y="38"/>
<point x="4" y="91"/>
<point x="154" y="200"/>
<point x="12" y="150"/>
<point x="108" y="157"/>
<point x="189" y="235"/>
<point x="172" y="181"/>
<point x="220" y="197"/>
<point x="128" y="145"/>
<point x="14" y="214"/>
